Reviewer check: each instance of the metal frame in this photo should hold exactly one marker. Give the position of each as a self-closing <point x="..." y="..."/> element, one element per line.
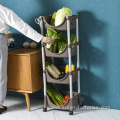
<point x="69" y="57"/>
<point x="78" y="56"/>
<point x="40" y="22"/>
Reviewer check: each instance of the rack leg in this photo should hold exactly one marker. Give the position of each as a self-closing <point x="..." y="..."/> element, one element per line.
<point x="78" y="62"/>
<point x="45" y="93"/>
<point x="70" y="61"/>
<point x="45" y="103"/>
<point x="71" y="97"/>
<point x="44" y="78"/>
<point x="79" y="101"/>
<point x="71" y="106"/>
<point x="70" y="112"/>
<point x="78" y="56"/>
<point x="43" y="63"/>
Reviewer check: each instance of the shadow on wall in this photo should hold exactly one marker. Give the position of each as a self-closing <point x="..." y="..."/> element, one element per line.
<point x="91" y="28"/>
<point x="91" y="86"/>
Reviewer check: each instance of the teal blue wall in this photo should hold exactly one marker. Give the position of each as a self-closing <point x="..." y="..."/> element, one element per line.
<point x="99" y="25"/>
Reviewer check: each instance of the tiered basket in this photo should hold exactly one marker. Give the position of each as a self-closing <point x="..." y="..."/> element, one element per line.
<point x="63" y="25"/>
<point x="64" y="80"/>
<point x="64" y="53"/>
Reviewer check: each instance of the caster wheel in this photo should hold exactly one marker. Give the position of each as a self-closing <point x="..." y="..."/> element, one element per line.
<point x="71" y="113"/>
<point x="80" y="106"/>
<point x="44" y="109"/>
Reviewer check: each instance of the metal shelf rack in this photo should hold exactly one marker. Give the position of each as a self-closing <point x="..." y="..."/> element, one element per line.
<point x="70" y="22"/>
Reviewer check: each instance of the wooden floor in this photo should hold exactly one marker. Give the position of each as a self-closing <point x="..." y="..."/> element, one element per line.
<point x="17" y="110"/>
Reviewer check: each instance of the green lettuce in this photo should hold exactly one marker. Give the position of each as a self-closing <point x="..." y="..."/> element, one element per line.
<point x="73" y="39"/>
<point x="63" y="42"/>
<point x="61" y="45"/>
<point x="54" y="47"/>
<point x="53" y="34"/>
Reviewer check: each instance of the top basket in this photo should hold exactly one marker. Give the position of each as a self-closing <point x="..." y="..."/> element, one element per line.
<point x="63" y="25"/>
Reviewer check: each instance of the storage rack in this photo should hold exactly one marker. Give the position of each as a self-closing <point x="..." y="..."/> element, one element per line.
<point x="70" y="22"/>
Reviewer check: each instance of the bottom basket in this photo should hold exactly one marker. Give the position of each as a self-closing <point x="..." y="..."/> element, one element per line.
<point x="71" y="102"/>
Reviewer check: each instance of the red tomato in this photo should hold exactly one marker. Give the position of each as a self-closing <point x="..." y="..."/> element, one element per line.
<point x="61" y="104"/>
<point x="64" y="101"/>
<point x="67" y="96"/>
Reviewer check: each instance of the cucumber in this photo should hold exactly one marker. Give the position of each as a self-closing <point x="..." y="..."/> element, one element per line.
<point x="51" y="87"/>
<point x="55" y="93"/>
<point x="57" y="96"/>
<point x="58" y="99"/>
<point x="54" y="89"/>
<point x="53" y="99"/>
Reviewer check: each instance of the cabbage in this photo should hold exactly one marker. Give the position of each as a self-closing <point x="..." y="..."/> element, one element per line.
<point x="61" y="14"/>
<point x="53" y="19"/>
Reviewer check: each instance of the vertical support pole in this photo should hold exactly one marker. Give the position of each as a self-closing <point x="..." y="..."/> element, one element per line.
<point x="69" y="54"/>
<point x="78" y="57"/>
<point x="43" y="63"/>
<point x="78" y="62"/>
